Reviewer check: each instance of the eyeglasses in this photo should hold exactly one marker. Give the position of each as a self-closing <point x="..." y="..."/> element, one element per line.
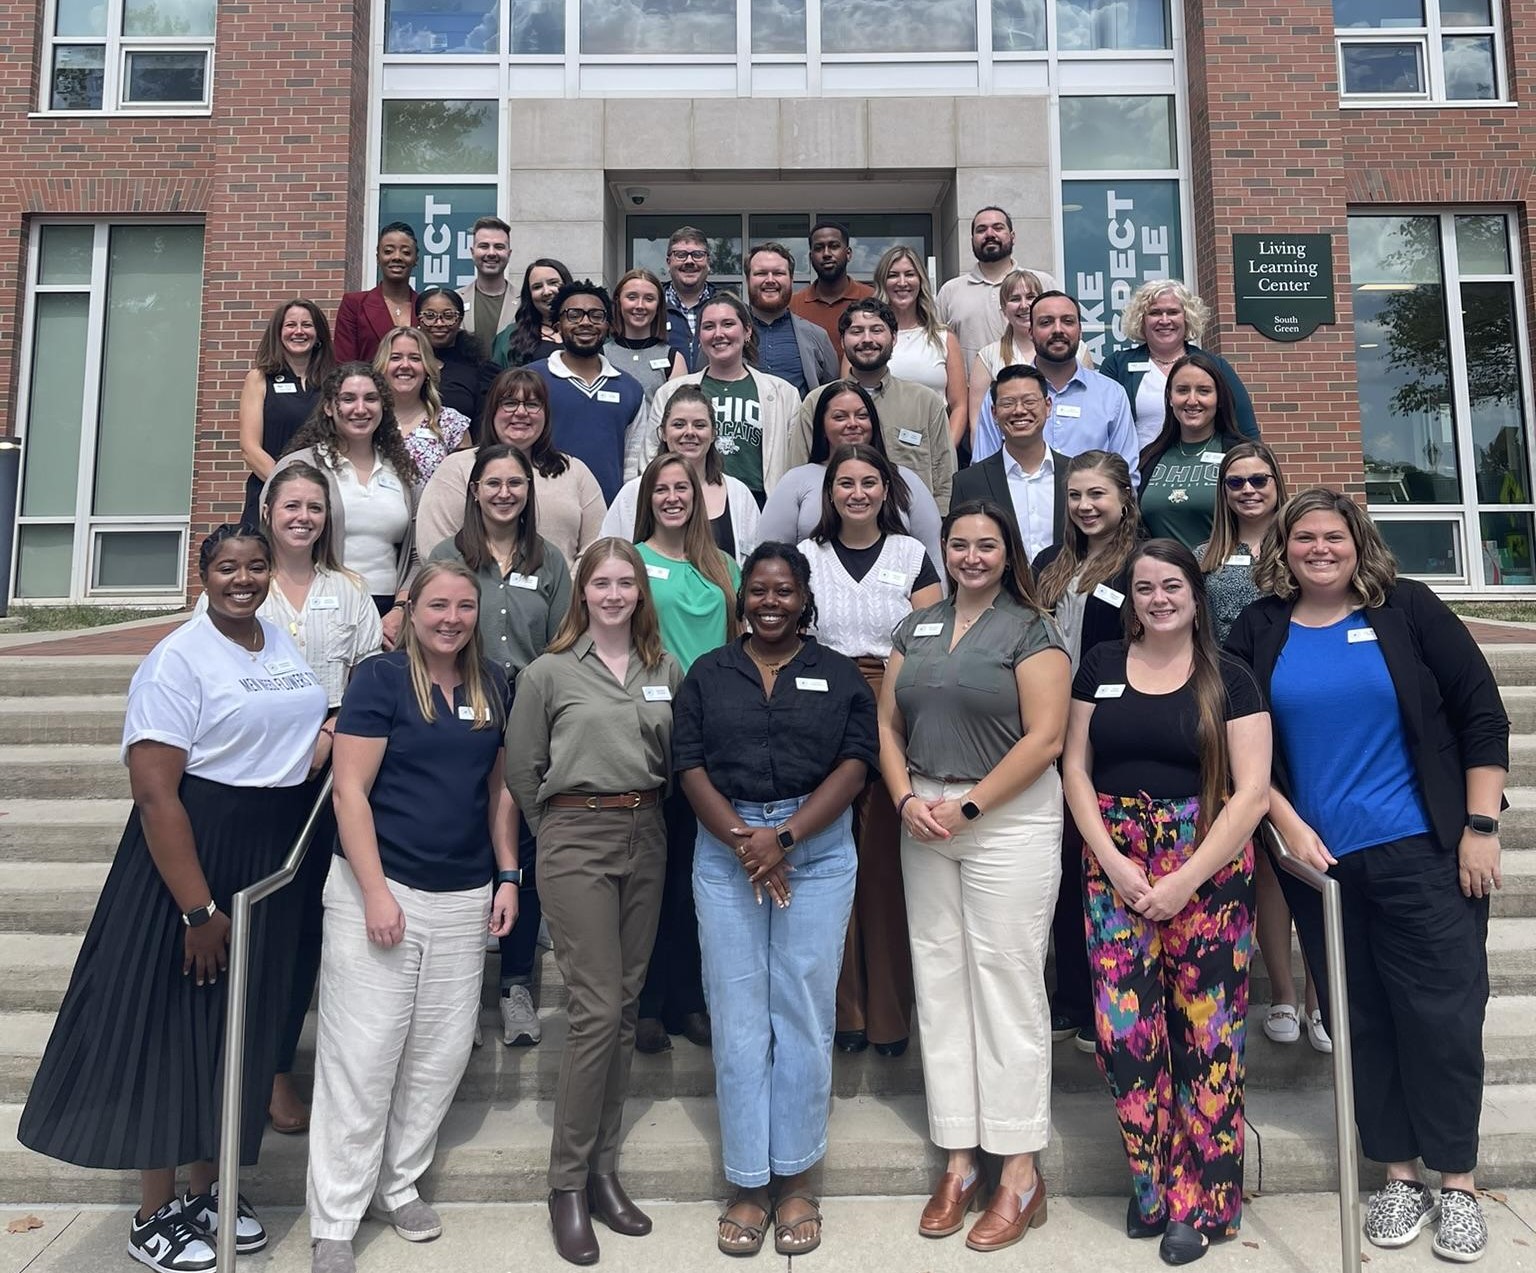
<point x="688" y="254"/>
<point x="1258" y="481"/>
<point x="1013" y="404"/>
<point x="584" y="315"/>
<point x="495" y="485"/>
<point x="521" y="406"/>
<point x="432" y="319"/>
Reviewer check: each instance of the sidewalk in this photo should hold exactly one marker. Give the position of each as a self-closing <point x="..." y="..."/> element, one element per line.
<point x="1295" y="1233"/>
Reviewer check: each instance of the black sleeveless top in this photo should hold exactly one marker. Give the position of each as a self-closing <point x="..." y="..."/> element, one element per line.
<point x="287" y="406"/>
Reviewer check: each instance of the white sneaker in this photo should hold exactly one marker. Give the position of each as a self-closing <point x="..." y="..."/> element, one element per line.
<point x="1317" y="1032"/>
<point x="203" y="1210"/>
<point x="1281" y="1024"/>
<point x="519" y="1018"/>
<point x="171" y="1241"/>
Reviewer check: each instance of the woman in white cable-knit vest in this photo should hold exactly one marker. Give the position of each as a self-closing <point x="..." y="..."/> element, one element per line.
<point x="868" y="575"/>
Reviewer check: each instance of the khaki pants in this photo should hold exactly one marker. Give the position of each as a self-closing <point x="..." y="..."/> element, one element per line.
<point x="600" y="878"/>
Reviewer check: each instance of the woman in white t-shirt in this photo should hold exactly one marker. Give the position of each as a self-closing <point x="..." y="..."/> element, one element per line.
<point x="221" y="732"/>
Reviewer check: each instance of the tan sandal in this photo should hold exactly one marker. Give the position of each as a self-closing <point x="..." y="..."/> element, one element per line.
<point x="743" y="1239"/>
<point x="785" y="1241"/>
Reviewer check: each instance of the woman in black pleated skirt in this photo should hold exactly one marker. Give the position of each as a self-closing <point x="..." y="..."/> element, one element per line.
<point x="219" y="740"/>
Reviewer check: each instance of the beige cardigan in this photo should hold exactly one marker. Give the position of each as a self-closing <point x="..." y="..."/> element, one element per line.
<point x="779" y="401"/>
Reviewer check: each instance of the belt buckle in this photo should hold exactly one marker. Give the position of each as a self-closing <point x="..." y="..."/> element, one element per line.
<point x="634" y="799"/>
<point x="592" y="802"/>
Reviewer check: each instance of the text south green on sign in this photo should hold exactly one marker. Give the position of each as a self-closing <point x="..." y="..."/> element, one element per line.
<point x="1284" y="283"/>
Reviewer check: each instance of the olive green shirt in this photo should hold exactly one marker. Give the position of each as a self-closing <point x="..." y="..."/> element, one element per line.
<point x="574" y="728"/>
<point x="519" y="613"/>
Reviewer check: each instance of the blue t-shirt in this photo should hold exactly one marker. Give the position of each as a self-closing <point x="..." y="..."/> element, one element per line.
<point x="430" y="801"/>
<point x="1341" y="732"/>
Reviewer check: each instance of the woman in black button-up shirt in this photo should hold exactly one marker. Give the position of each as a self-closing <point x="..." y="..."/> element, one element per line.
<point x="773" y="738"/>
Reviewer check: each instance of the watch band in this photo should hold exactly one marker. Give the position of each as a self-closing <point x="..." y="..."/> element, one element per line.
<point x="509" y="877"/>
<point x="200" y="915"/>
<point x="1483" y="824"/>
<point x="785" y="837"/>
<point x="971" y="810"/>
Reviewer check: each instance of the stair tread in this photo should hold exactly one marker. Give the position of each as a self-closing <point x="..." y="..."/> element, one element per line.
<point x="64" y="703"/>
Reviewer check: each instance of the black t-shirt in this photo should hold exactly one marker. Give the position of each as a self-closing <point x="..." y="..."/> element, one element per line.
<point x="1148" y="742"/>
<point x="725" y="533"/>
<point x="858" y="562"/>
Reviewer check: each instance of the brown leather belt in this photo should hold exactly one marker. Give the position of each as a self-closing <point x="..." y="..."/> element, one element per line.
<point x="627" y="800"/>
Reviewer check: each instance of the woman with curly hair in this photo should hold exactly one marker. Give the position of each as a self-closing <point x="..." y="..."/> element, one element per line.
<point x="353" y="439"/>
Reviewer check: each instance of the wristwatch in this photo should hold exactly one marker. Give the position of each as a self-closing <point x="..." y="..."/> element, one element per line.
<point x="197" y="918"/>
<point x="786" y="838"/>
<point x="971" y="810"/>
<point x="513" y="876"/>
<point x="1483" y="824"/>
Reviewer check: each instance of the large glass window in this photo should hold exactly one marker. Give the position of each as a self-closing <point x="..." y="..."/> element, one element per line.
<point x="898" y="26"/>
<point x="1112" y="24"/>
<point x="110" y="55"/>
<point x="1108" y="134"/>
<point x="442" y="26"/>
<point x="430" y="136"/>
<point x="1435" y="50"/>
<point x="658" y="26"/>
<point x="778" y="26"/>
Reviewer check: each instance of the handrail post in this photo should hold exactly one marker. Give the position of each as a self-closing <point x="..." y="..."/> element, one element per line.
<point x="237" y="977"/>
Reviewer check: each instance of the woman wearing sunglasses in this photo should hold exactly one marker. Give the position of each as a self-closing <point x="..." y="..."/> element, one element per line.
<point x="1251" y="490"/>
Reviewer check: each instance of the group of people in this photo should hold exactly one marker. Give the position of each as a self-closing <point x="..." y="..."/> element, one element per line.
<point x="694" y="645"/>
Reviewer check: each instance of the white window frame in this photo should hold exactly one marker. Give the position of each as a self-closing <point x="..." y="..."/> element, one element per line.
<point x="87" y="527"/>
<point x="1427" y="40"/>
<point x="118" y="48"/>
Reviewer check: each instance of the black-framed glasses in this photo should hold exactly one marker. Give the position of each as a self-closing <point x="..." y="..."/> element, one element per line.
<point x="1257" y="480"/>
<point x="688" y="254"/>
<point x="584" y="315"/>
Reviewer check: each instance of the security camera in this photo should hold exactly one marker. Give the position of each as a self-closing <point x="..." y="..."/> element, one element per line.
<point x="638" y="194"/>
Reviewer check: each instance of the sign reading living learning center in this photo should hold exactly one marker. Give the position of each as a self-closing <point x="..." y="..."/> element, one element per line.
<point x="1118" y="235"/>
<point x="1284" y="283"/>
<point x="443" y="217"/>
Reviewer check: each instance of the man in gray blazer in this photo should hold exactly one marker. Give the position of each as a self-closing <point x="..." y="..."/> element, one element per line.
<point x="788" y="346"/>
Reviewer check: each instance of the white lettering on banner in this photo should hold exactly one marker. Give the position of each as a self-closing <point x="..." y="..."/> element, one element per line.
<point x="1137" y="254"/>
<point x="442" y="249"/>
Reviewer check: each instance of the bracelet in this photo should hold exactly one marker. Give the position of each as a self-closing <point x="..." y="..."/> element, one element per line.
<point x="902" y="803"/>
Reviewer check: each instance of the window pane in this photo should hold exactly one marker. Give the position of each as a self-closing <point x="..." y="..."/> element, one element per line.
<point x="56" y="405"/>
<point x="658" y="26"/>
<point x="442" y="26"/>
<point x="44" y="560"/>
<point x="538" y="26"/>
<point x="431" y="137"/>
<point x="898" y="26"/>
<point x="149" y="370"/>
<point x="1493" y="381"/>
<point x="648" y="242"/>
<point x="1403" y="361"/>
<point x="1112" y="24"/>
<point x="166" y="77"/>
<point x="792" y="229"/>
<point x="1383" y="68"/>
<point x="874" y="232"/>
<point x="168" y="17"/>
<point x="1377" y="14"/>
<point x="778" y="26"/>
<point x="81" y="17"/>
<point x="1506" y="541"/>
<point x="1469" y="73"/>
<point x="1117" y="132"/>
<point x="1466" y="13"/>
<point x="65" y="254"/>
<point x="1018" y="26"/>
<point x="1422" y="548"/>
<point x="78" y="74"/>
<point x="1482" y="244"/>
<point x="137" y="559"/>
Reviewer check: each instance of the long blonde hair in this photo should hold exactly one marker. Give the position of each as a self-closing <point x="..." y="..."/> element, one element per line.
<point x="924" y="307"/>
<point x="698" y="540"/>
<point x="644" y="630"/>
<point x="1008" y="352"/>
<point x="431" y="392"/>
<point x="1104" y="566"/>
<point x="469" y="663"/>
<point x="1225" y="532"/>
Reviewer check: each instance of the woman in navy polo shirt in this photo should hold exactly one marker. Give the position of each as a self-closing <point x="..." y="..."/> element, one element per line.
<point x="424" y="827"/>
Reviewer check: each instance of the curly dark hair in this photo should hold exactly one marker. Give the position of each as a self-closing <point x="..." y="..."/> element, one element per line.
<point x="319" y="431"/>
<point x="799" y="567"/>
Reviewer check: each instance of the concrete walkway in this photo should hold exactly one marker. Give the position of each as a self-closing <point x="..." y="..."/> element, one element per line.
<point x="1295" y="1233"/>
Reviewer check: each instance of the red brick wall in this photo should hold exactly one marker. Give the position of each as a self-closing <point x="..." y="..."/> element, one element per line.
<point x="1273" y="150"/>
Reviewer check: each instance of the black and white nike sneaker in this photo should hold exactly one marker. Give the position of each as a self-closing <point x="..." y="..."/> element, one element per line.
<point x="171" y="1242"/>
<point x="203" y="1210"/>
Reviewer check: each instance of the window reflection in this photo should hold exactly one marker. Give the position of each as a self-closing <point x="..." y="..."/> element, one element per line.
<point x="1018" y="26"/>
<point x="1493" y="387"/>
<point x="442" y="26"/>
<point x="432" y="137"/>
<point x="648" y="242"/>
<point x="1112" y="24"/>
<point x="898" y="26"/>
<point x="1506" y="548"/>
<point x="1395" y="69"/>
<point x="538" y="27"/>
<point x="1469" y="73"/>
<point x="1423" y="548"/>
<point x="1378" y="14"/>
<point x="658" y="26"/>
<point x="778" y="26"/>
<point x="1117" y="132"/>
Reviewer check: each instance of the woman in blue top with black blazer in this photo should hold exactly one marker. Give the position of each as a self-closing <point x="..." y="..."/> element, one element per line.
<point x="1392" y="751"/>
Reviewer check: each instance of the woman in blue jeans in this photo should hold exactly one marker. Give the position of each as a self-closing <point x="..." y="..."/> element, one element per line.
<point x="774" y="737"/>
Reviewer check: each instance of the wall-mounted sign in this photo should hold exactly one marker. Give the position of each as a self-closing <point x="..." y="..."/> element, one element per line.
<point x="1119" y="235"/>
<point x="1284" y="283"/>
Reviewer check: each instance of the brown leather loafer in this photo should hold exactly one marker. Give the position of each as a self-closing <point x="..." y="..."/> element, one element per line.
<point x="575" y="1242"/>
<point x="945" y="1212"/>
<point x="607" y="1201"/>
<point x="1004" y="1222"/>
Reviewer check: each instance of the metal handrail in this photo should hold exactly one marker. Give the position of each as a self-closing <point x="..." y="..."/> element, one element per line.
<point x="1338" y="1026"/>
<point x="238" y="974"/>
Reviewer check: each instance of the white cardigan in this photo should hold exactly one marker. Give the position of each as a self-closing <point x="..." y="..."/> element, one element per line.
<point x="778" y="400"/>
<point x="740" y="503"/>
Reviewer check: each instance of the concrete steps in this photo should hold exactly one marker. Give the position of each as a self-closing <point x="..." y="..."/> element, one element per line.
<point x="63" y="719"/>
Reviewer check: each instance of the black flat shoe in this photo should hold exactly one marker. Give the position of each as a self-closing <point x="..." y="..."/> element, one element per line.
<point x="696" y="1028"/>
<point x="1136" y="1227"/>
<point x="651" y="1036"/>
<point x="897" y="1048"/>
<point x="1182" y="1243"/>
<point x="850" y="1040"/>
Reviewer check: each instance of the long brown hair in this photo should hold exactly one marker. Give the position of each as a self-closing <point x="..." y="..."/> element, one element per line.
<point x="888" y="520"/>
<point x="431" y="366"/>
<point x="323" y="551"/>
<point x="1375" y="566"/>
<point x="1016" y="581"/>
<point x="272" y="361"/>
<point x="644" y="630"/>
<point x="1205" y="675"/>
<point x="1226" y="535"/>
<point x="698" y="540"/>
<point x="469" y="662"/>
<point x="714" y="467"/>
<point x="1057" y="577"/>
<point x="545" y="458"/>
<point x="319" y="431"/>
<point x="473" y="544"/>
<point x="1225" y="418"/>
<point x="749" y="351"/>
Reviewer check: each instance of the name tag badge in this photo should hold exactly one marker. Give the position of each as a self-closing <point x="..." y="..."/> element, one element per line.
<point x="894" y="577"/>
<point x="1109" y="596"/>
<point x="658" y="364"/>
<point x="278" y="666"/>
<point x="812" y="683"/>
<point x="658" y="572"/>
<point x="466" y="712"/>
<point x="607" y="395"/>
<point x="388" y="482"/>
<point x="1068" y="411"/>
<point x="909" y="437"/>
<point x="1357" y="635"/>
<point x="656" y="693"/>
<point x="927" y="629"/>
<point x="1240" y="559"/>
<point x="284" y="386"/>
<point x="1211" y="457"/>
<point x="1143" y="365"/>
<point x="1109" y="691"/>
<point x="516" y="580"/>
<point x="325" y="603"/>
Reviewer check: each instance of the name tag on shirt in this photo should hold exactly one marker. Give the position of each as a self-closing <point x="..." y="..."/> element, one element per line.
<point x="658" y="572"/>
<point x="284" y="386"/>
<point x="927" y="629"/>
<point x="388" y="482"/>
<point x="1240" y="559"/>
<point x="466" y="712"/>
<point x="325" y="603"/>
<point x="1211" y="457"/>
<point x="909" y="437"/>
<point x="656" y="693"/>
<point x="279" y="666"/>
<point x="658" y="364"/>
<point x="813" y="683"/>
<point x="892" y="577"/>
<point x="1143" y="365"/>
<point x="1070" y="411"/>
<point x="1109" y="691"/>
<point x="607" y="395"/>
<point x="1357" y="635"/>
<point x="523" y="581"/>
<point x="1108" y="595"/>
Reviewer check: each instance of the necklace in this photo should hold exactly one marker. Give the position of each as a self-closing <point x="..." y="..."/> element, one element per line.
<point x="250" y="651"/>
<point x="964" y="625"/>
<point x="773" y="669"/>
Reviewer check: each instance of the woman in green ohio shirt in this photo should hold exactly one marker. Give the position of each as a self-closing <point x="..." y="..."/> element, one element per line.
<point x="1179" y="482"/>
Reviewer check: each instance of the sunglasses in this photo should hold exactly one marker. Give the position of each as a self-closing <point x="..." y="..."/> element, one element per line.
<point x="1258" y="481"/>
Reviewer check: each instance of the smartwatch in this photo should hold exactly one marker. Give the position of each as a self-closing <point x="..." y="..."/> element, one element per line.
<point x="971" y="810"/>
<point x="197" y="918"/>
<point x="510" y="877"/>
<point x="786" y="838"/>
<point x="1483" y="824"/>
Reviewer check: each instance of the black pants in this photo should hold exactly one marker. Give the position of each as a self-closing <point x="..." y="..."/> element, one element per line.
<point x="519" y="947"/>
<point x="1416" y="959"/>
<point x="1073" y="998"/>
<point x="674" y="981"/>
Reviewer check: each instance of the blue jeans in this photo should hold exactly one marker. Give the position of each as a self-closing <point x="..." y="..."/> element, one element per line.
<point x="770" y="977"/>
